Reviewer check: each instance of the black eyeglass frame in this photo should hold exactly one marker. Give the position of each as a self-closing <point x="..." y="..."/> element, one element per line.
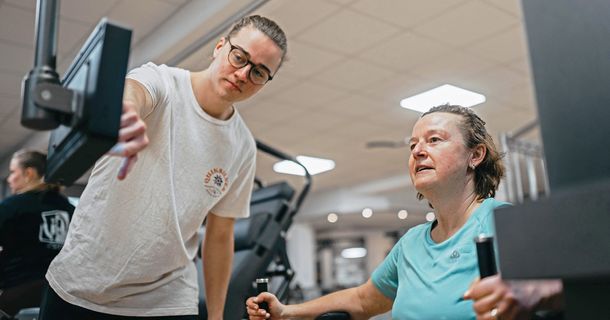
<point x="248" y="62"/>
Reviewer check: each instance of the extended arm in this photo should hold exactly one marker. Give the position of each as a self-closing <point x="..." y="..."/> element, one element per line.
<point x="132" y="135"/>
<point x="361" y="302"/>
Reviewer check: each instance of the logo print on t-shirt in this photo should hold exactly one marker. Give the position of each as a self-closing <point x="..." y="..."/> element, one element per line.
<point x="454" y="255"/>
<point x="54" y="228"/>
<point x="216" y="181"/>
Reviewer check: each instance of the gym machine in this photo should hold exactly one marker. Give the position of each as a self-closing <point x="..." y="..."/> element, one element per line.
<point x="566" y="235"/>
<point x="84" y="108"/>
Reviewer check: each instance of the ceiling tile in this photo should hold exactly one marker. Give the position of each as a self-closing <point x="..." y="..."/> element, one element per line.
<point x="500" y="118"/>
<point x="9" y="106"/>
<point x="318" y="146"/>
<point x="304" y="60"/>
<point x="200" y="59"/>
<point x="176" y="2"/>
<point x="72" y="35"/>
<point x="272" y="113"/>
<point x="359" y="131"/>
<point x="511" y="6"/>
<point x="395" y="118"/>
<point x="467" y="23"/>
<point x="521" y="96"/>
<point x="282" y="135"/>
<point x="10" y="84"/>
<point x="309" y="94"/>
<point x="141" y="15"/>
<point x="352" y="74"/>
<point x="521" y="65"/>
<point x="394" y="89"/>
<point x="451" y="67"/>
<point x="354" y="106"/>
<point x="256" y="126"/>
<point x="325" y="140"/>
<point x="9" y="142"/>
<point x="502" y="47"/>
<point x="16" y="58"/>
<point x="319" y="121"/>
<point x="492" y="81"/>
<point x="12" y="125"/>
<point x="348" y="32"/>
<point x="406" y="13"/>
<point x="396" y="133"/>
<point x="296" y="16"/>
<point x="89" y="11"/>
<point x="27" y="4"/>
<point x="343" y="2"/>
<point x="17" y="25"/>
<point x="405" y="51"/>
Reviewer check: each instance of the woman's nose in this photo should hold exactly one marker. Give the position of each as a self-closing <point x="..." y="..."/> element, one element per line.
<point x="242" y="73"/>
<point x="417" y="149"/>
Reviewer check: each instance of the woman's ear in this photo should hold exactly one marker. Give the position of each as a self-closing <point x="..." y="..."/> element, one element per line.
<point x="218" y="46"/>
<point x="31" y="174"/>
<point x="478" y="154"/>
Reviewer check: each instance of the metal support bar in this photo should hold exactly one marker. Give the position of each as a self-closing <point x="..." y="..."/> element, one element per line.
<point x="46" y="104"/>
<point x="46" y="33"/>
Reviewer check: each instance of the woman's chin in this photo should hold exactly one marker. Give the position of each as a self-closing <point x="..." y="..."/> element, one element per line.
<point x="422" y="185"/>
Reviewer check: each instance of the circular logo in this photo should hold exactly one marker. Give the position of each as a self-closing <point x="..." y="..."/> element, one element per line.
<point x="216" y="182"/>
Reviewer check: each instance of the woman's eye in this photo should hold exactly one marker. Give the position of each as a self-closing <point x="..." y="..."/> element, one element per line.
<point x="435" y="139"/>
<point x="238" y="57"/>
<point x="257" y="73"/>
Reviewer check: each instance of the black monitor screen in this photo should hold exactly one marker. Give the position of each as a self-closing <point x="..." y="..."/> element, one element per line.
<point x="98" y="75"/>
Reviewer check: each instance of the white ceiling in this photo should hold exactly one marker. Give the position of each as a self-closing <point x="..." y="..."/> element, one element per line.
<point x="350" y="63"/>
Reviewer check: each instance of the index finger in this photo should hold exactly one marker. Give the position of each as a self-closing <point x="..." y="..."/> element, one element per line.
<point x="250" y="303"/>
<point x="472" y="284"/>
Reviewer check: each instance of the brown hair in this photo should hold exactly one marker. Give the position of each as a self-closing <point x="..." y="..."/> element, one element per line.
<point x="490" y="171"/>
<point x="266" y="26"/>
<point x="32" y="159"/>
<point x="35" y="160"/>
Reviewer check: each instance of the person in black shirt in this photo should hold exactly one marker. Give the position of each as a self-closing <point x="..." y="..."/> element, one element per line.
<point x="33" y="226"/>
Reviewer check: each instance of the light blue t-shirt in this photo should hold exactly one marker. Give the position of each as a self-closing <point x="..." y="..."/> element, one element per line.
<point x="425" y="279"/>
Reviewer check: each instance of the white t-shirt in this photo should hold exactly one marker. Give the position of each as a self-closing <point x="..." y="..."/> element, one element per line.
<point x="131" y="243"/>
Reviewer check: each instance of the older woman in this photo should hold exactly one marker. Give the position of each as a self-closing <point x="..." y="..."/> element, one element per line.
<point x="455" y="166"/>
<point x="33" y="226"/>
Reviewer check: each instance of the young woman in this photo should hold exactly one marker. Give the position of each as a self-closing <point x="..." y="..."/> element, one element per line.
<point x="33" y="226"/>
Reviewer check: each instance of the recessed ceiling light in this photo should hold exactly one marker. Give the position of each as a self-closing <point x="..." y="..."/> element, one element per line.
<point x="332" y="217"/>
<point x="367" y="212"/>
<point x="430" y="216"/>
<point x="313" y="165"/>
<point x="441" y="95"/>
<point x="352" y="253"/>
<point x="402" y="214"/>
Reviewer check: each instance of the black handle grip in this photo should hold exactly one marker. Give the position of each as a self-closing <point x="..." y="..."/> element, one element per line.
<point x="486" y="256"/>
<point x="262" y="285"/>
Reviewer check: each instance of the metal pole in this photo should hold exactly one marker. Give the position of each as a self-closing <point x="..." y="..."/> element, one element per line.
<point x="531" y="177"/>
<point x="32" y="115"/>
<point x="46" y="33"/>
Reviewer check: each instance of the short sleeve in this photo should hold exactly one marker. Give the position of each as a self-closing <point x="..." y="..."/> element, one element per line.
<point x="153" y="78"/>
<point x="385" y="276"/>
<point x="236" y="203"/>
